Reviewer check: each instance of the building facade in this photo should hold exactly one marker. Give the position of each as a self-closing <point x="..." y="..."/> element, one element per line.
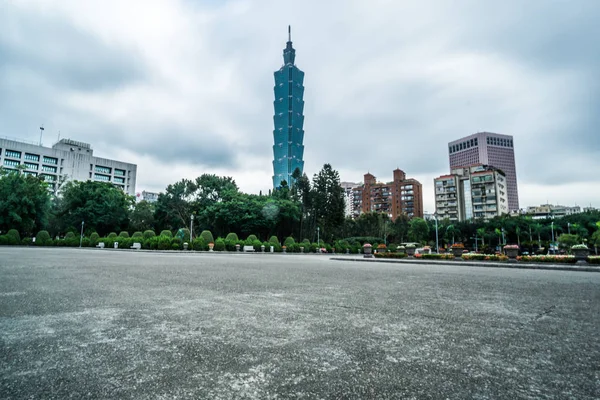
<point x="401" y="196"/>
<point x="66" y="160"/>
<point x="489" y="149"/>
<point x="477" y="191"/>
<point x="288" y="135"/>
<point x="544" y="211"/>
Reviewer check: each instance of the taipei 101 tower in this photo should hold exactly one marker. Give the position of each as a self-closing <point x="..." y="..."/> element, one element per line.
<point x="288" y="135"/>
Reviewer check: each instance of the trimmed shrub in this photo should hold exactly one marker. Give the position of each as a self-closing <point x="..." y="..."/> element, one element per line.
<point x="149" y="234"/>
<point x="207" y="236"/>
<point x="43" y="239"/>
<point x="112" y="235"/>
<point x="219" y="245"/>
<point x="27" y="241"/>
<point x="288" y="242"/>
<point x="70" y="235"/>
<point x="252" y="238"/>
<point x="164" y="242"/>
<point x="306" y="242"/>
<point x="166" y="233"/>
<point x="137" y="235"/>
<point x="199" y="245"/>
<point x="13" y="236"/>
<point x="274" y="240"/>
<point x="232" y="237"/>
<point x="3" y="240"/>
<point x="186" y="235"/>
<point x="175" y="246"/>
<point x="390" y="255"/>
<point x="124" y="234"/>
<point x="256" y="244"/>
<point x="151" y="243"/>
<point x="94" y="239"/>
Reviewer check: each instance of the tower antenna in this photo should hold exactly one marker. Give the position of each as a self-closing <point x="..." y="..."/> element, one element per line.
<point x="289" y="33"/>
<point x="41" y="133"/>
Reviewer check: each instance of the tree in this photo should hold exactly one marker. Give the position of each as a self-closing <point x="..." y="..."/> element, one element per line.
<point x="595" y="240"/>
<point x="24" y="202"/>
<point x="328" y="201"/>
<point x="418" y="229"/>
<point x="141" y="217"/>
<point x="566" y="241"/>
<point x="102" y="206"/>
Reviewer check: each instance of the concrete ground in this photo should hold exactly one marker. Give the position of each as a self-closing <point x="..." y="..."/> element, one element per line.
<point x="118" y="324"/>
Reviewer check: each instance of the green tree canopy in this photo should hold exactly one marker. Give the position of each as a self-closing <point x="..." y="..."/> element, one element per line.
<point x="24" y="202"/>
<point x="102" y="206"/>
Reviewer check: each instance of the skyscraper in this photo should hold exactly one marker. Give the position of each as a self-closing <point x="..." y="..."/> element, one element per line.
<point x="489" y="149"/>
<point x="288" y="135"/>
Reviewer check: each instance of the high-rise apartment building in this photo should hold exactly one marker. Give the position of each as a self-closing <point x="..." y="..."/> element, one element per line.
<point x="66" y="160"/>
<point x="489" y="149"/>
<point x="477" y="191"/>
<point x="288" y="135"/>
<point x="401" y="196"/>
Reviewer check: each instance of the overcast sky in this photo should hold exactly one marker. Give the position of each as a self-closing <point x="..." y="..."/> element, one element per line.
<point x="183" y="88"/>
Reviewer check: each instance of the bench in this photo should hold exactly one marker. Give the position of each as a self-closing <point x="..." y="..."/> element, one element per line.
<point x="100" y="245"/>
<point x="248" y="248"/>
<point x="136" y="246"/>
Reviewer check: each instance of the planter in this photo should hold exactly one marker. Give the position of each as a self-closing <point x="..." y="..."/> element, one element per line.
<point x="511" y="254"/>
<point x="185" y="246"/>
<point x="410" y="251"/>
<point x="581" y="255"/>
<point x="262" y="248"/>
<point x="368" y="250"/>
<point x="237" y="247"/>
<point x="211" y="246"/>
<point x="301" y="249"/>
<point x="457" y="251"/>
<point x="283" y="249"/>
<point x="347" y="251"/>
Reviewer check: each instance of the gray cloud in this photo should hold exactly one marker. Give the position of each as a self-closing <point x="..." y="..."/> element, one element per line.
<point x="387" y="84"/>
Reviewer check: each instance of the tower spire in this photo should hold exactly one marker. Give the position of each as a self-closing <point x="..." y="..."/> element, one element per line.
<point x="289" y="33"/>
<point x="289" y="54"/>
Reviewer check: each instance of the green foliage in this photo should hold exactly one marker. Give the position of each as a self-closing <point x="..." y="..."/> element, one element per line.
<point x="232" y="237"/>
<point x="251" y="238"/>
<point x="3" y="240"/>
<point x="94" y="237"/>
<point x="101" y="205"/>
<point x="142" y="216"/>
<point x="24" y="203"/>
<point x="164" y="242"/>
<point x="124" y="234"/>
<point x="306" y="241"/>
<point x="418" y="230"/>
<point x="69" y="235"/>
<point x="207" y="236"/>
<point x="220" y="245"/>
<point x="166" y="233"/>
<point x="567" y="241"/>
<point x="289" y="241"/>
<point x="274" y="240"/>
<point x="256" y="244"/>
<point x="13" y="237"/>
<point x="43" y="239"/>
<point x="175" y="246"/>
<point x="149" y="234"/>
<point x="389" y="255"/>
<point x="137" y="235"/>
<point x="112" y="235"/>
<point x="27" y="241"/>
<point x="199" y="244"/>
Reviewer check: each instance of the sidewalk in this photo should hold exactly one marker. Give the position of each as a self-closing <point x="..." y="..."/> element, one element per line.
<point x="483" y="264"/>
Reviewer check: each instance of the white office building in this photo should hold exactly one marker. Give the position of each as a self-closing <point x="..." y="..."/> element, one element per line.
<point x="66" y="160"/>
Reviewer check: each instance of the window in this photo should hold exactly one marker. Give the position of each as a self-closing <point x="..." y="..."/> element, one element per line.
<point x="32" y="157"/>
<point x="102" y="170"/>
<point x="30" y="165"/>
<point x="11" y="163"/>
<point x="119" y="172"/>
<point x="47" y="168"/>
<point x="48" y="178"/>
<point x="103" y="178"/>
<point x="30" y="173"/>
<point x="50" y="160"/>
<point x="12" y="154"/>
<point x="119" y="180"/>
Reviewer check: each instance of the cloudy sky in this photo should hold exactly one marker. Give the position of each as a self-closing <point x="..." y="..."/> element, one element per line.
<point x="183" y="88"/>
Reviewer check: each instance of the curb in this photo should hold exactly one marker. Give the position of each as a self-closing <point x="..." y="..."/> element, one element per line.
<point x="551" y="267"/>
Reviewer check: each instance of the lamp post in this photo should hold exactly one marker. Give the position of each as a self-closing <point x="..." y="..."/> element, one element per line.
<point x="552" y="227"/>
<point x="503" y="240"/>
<point x="81" y="236"/>
<point x="569" y="228"/>
<point x="191" y="226"/>
<point x="318" y="238"/>
<point x="437" y="243"/>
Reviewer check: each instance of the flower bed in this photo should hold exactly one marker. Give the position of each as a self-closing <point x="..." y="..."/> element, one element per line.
<point x="594" y="260"/>
<point x="484" y="257"/>
<point x="548" y="259"/>
<point x="435" y="256"/>
<point x="390" y="255"/>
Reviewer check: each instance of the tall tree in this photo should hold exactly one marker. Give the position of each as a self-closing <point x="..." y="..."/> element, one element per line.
<point x="141" y="217"/>
<point x="418" y="229"/>
<point x="24" y="202"/>
<point x="102" y="206"/>
<point x="328" y="201"/>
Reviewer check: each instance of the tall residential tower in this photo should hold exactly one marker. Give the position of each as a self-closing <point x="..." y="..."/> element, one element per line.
<point x="488" y="149"/>
<point x="288" y="135"/>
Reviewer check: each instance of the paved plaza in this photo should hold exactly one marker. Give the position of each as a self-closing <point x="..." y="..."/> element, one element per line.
<point x="87" y="323"/>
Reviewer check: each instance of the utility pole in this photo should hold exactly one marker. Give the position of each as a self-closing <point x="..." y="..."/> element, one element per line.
<point x="437" y="243"/>
<point x="81" y="236"/>
<point x="191" y="227"/>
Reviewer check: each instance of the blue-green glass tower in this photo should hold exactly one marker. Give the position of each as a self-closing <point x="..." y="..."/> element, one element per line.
<point x="288" y="135"/>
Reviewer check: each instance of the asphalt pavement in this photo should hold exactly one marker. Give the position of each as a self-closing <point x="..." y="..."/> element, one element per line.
<point x="86" y="323"/>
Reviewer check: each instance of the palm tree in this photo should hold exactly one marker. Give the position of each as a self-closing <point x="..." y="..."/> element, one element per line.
<point x="481" y="234"/>
<point x="518" y="232"/>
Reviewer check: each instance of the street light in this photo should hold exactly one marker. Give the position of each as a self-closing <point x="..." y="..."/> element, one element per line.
<point x="552" y="227"/>
<point x="569" y="228"/>
<point x="191" y="226"/>
<point x="81" y="236"/>
<point x="503" y="240"/>
<point x="437" y="244"/>
<point x="318" y="238"/>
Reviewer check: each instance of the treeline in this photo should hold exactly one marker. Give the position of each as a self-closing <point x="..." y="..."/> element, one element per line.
<point x="307" y="211"/>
